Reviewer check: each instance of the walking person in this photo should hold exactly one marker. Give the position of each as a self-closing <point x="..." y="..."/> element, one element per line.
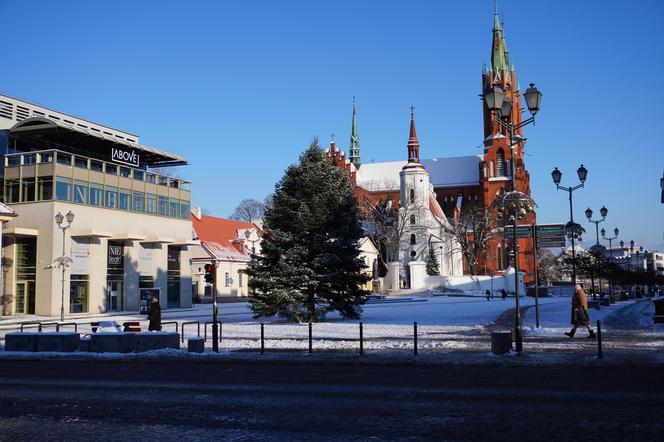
<point x="503" y="294"/>
<point x="155" y="315"/>
<point x="488" y="295"/>
<point x="580" y="312"/>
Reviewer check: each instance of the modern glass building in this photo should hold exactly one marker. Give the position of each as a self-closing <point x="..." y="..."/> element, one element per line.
<point x="131" y="227"/>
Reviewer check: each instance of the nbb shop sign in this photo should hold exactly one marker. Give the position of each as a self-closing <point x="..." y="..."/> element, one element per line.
<point x="125" y="156"/>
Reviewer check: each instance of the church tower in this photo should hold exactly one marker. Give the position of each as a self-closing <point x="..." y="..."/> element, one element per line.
<point x="496" y="169"/>
<point x="415" y="191"/>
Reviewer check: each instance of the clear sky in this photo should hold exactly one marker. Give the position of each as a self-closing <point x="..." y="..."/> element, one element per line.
<point x="241" y="87"/>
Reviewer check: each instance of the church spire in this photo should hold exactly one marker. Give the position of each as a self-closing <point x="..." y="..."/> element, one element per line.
<point x="499" y="60"/>
<point x="355" y="141"/>
<point x="413" y="143"/>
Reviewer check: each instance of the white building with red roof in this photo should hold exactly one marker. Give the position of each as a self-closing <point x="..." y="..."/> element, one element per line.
<point x="230" y="244"/>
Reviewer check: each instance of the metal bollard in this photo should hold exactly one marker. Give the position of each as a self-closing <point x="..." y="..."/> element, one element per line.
<point x="361" y="339"/>
<point x="415" y="338"/>
<point x="311" y="348"/>
<point x="262" y="338"/>
<point x="600" y="353"/>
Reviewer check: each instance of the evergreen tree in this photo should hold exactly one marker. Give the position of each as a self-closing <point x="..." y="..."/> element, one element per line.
<point x="310" y="262"/>
<point x="432" y="262"/>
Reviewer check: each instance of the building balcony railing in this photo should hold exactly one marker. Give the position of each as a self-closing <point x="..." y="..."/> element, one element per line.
<point x="63" y="176"/>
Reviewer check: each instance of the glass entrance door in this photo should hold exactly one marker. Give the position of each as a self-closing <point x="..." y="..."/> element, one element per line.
<point x="115" y="295"/>
<point x="25" y="298"/>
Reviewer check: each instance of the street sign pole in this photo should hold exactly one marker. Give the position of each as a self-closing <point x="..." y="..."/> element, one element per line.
<point x="215" y="325"/>
<point x="537" y="321"/>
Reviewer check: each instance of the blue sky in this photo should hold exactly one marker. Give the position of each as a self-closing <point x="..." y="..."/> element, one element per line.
<point x="240" y="88"/>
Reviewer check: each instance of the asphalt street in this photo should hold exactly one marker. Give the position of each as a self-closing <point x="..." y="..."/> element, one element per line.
<point x="203" y="400"/>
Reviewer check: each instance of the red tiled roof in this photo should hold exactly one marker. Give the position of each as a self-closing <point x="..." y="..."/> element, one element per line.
<point x="219" y="230"/>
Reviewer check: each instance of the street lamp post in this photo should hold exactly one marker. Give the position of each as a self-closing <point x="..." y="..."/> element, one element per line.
<point x="514" y="203"/>
<point x="63" y="261"/>
<point x="573" y="230"/>
<point x="610" y="239"/>
<point x="517" y="205"/>
<point x="589" y="214"/>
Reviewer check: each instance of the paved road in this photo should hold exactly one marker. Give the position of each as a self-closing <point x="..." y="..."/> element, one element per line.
<point x="194" y="400"/>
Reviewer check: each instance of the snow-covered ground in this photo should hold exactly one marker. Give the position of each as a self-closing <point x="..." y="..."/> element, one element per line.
<point x="445" y="324"/>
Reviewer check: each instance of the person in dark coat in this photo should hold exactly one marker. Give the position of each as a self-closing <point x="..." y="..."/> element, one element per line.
<point x="488" y="295"/>
<point x="503" y="294"/>
<point x="580" y="312"/>
<point x="155" y="315"/>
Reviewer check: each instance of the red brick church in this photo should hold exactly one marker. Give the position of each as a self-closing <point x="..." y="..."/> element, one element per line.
<point x="460" y="181"/>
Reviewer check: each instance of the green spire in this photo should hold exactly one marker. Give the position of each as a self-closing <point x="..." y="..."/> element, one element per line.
<point x="499" y="48"/>
<point x="355" y="141"/>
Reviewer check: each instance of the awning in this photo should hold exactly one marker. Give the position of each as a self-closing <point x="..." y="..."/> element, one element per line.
<point x="90" y="234"/>
<point x="89" y="138"/>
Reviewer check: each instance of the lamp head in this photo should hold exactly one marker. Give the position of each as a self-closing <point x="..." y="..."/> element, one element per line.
<point x="247" y="233"/>
<point x="622" y="244"/>
<point x="59" y="218"/>
<point x="494" y="97"/>
<point x="70" y="217"/>
<point x="506" y="108"/>
<point x="603" y="211"/>
<point x="603" y="232"/>
<point x="615" y="231"/>
<point x="582" y="172"/>
<point x="589" y="213"/>
<point x="556" y="175"/>
<point x="533" y="99"/>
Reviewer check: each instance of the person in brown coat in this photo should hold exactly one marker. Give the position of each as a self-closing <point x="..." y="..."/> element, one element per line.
<point x="155" y="315"/>
<point x="580" y="312"/>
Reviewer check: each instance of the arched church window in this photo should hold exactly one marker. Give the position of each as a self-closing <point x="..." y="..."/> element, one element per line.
<point x="412" y="195"/>
<point x="491" y="169"/>
<point x="413" y="241"/>
<point x="500" y="162"/>
<point x="412" y="219"/>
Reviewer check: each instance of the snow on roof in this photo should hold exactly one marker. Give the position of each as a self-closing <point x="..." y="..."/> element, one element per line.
<point x="224" y="253"/>
<point x="443" y="172"/>
<point x="6" y="210"/>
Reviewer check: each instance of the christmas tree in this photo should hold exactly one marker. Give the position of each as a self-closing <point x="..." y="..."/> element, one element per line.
<point x="310" y="262"/>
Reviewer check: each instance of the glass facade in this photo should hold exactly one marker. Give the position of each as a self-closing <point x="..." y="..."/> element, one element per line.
<point x="78" y="294"/>
<point x="31" y="177"/>
<point x="26" y="268"/>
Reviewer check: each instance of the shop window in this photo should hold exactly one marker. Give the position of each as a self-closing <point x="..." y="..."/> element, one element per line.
<point x="185" y="211"/>
<point x="64" y="158"/>
<point x="174" y="208"/>
<point x="173" y="283"/>
<point x="80" y="192"/>
<point x="78" y="294"/>
<point x="81" y="162"/>
<point x="96" y="194"/>
<point x="111" y="200"/>
<point x="145" y="282"/>
<point x="124" y="200"/>
<point x="139" y="202"/>
<point x="46" y="157"/>
<point x="26" y="269"/>
<point x="44" y="188"/>
<point x="163" y="206"/>
<point x="150" y="204"/>
<point x="12" y="191"/>
<point x="28" y="193"/>
<point x="63" y="188"/>
<point x="97" y="166"/>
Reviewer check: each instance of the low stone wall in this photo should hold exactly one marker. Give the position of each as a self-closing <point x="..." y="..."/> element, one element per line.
<point x="42" y="341"/>
<point x="146" y="341"/>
